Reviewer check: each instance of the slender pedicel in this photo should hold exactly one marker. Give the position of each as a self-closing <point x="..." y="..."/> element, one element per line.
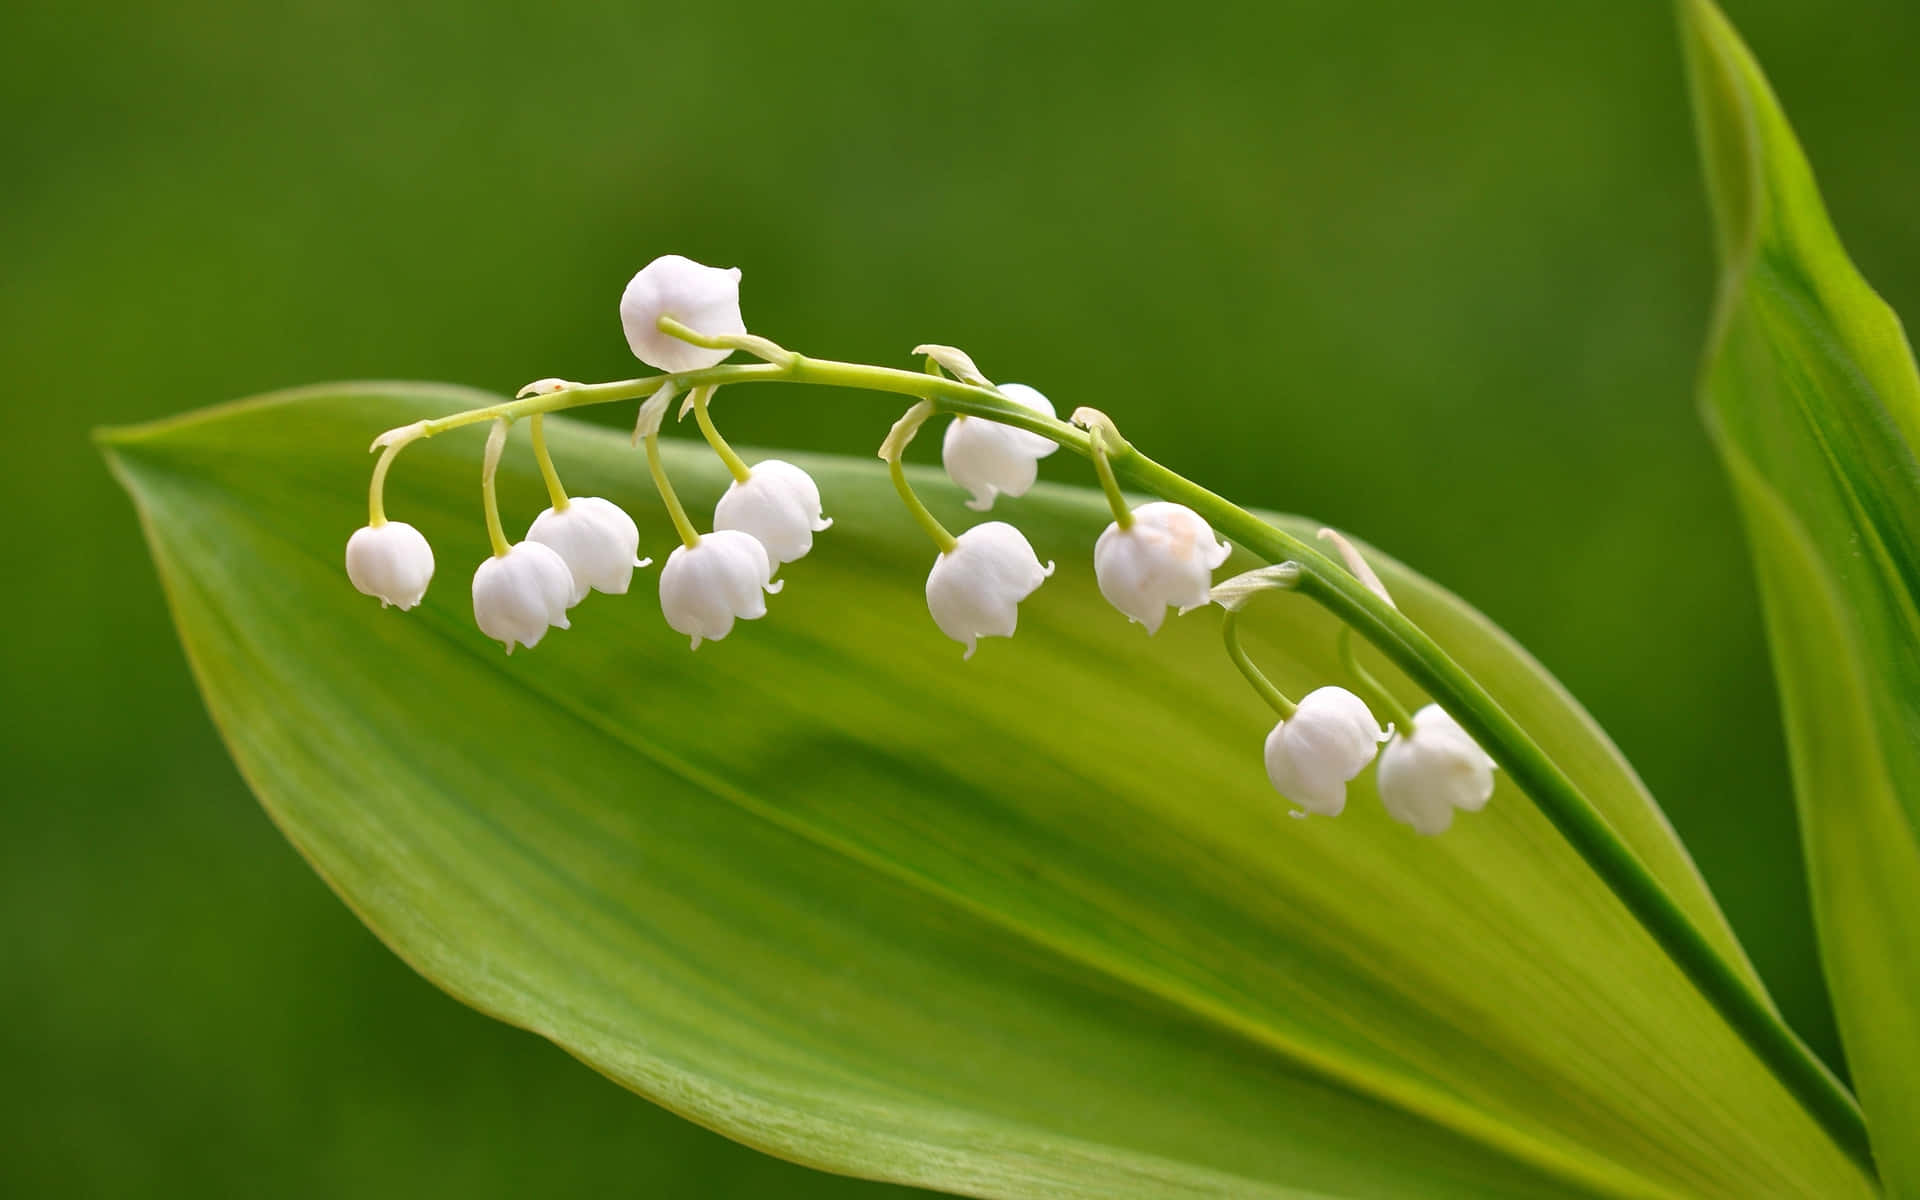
<point x="1375" y="692"/>
<point x="556" y="495"/>
<point x="1276" y="699"/>
<point x="736" y="466"/>
<point x="890" y="450"/>
<point x="689" y="536"/>
<point x="1098" y="427"/>
<point x="496" y="442"/>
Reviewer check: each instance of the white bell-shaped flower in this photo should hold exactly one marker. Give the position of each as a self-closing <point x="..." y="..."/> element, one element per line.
<point x="975" y="589"/>
<point x="1166" y="558"/>
<point x="391" y="561"/>
<point x="779" y="504"/>
<point x="1426" y="775"/>
<point x="705" y="588"/>
<point x="706" y="299"/>
<point x="596" y="539"/>
<point x="1312" y="755"/>
<point x="518" y="595"/>
<point x="988" y="458"/>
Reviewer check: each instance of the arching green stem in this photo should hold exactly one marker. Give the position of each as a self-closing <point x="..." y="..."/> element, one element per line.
<point x="556" y="495"/>
<point x="1275" y="698"/>
<point x="736" y="466"/>
<point x="1746" y="1008"/>
<point x="1372" y="690"/>
<point x="496" y="442"/>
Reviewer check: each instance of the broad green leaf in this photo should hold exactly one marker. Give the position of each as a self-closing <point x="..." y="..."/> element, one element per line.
<point x="1811" y="393"/>
<point x="1033" y="924"/>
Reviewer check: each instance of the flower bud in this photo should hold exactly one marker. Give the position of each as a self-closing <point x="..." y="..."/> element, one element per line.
<point x="519" y="594"/>
<point x="1435" y="769"/>
<point x="1166" y="558"/>
<point x="988" y="458"/>
<point x="391" y="561"/>
<point x="975" y="589"/>
<point x="779" y="505"/>
<point x="706" y="587"/>
<point x="706" y="299"/>
<point x="1329" y="739"/>
<point x="596" y="539"/>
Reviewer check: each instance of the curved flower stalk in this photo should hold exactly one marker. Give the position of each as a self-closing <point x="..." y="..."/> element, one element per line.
<point x="979" y="578"/>
<point x="701" y="316"/>
<point x="1158" y="556"/>
<point x="775" y="502"/>
<point x="389" y="560"/>
<point x="524" y="589"/>
<point x="594" y="536"/>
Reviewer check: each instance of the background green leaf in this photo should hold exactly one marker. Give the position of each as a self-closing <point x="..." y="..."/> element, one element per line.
<point x="1812" y="396"/>
<point x="1032" y="924"/>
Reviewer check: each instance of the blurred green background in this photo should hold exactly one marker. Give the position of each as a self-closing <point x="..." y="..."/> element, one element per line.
<point x="1438" y="274"/>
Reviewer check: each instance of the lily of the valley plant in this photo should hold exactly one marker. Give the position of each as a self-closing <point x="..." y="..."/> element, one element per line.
<point x="923" y="922"/>
<point x="684" y="318"/>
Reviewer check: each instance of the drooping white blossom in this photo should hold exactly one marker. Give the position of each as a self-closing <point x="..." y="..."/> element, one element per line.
<point x="1165" y="558"/>
<point x="391" y="561"/>
<point x="596" y="539"/>
<point x="706" y="299"/>
<point x="975" y="589"/>
<point x="779" y="504"/>
<point x="705" y="588"/>
<point x="1426" y="775"/>
<point x="989" y="459"/>
<point x="519" y="595"/>
<point x="1312" y="755"/>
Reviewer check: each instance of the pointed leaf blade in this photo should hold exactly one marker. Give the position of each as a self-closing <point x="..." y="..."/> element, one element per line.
<point x="1812" y="396"/>
<point x="1031" y="925"/>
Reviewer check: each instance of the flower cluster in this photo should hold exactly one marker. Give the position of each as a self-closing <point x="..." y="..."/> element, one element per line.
<point x="1426" y="771"/>
<point x="684" y="319"/>
<point x="581" y="544"/>
<point x="1430" y="766"/>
